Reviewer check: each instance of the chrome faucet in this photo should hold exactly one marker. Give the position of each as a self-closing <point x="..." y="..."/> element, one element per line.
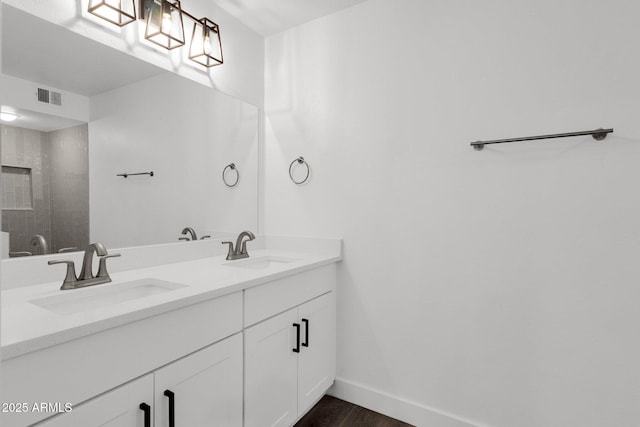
<point x="240" y="250"/>
<point x="86" y="277"/>
<point x="39" y="241"/>
<point x="190" y="231"/>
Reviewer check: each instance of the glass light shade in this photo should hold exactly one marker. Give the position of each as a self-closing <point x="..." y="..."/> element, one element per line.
<point x="164" y="25"/>
<point x="119" y="12"/>
<point x="206" y="46"/>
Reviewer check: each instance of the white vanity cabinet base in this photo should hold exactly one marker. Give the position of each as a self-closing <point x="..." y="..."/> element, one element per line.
<point x="280" y="384"/>
<point x="117" y="408"/>
<point x="207" y="386"/>
<point x="213" y="355"/>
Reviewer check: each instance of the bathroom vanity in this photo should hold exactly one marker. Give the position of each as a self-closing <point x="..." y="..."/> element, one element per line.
<point x="197" y="341"/>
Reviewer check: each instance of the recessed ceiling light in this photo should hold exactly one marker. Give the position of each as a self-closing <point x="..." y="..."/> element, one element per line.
<point x="8" y="117"/>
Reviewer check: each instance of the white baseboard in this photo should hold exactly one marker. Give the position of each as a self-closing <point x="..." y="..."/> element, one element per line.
<point x="394" y="406"/>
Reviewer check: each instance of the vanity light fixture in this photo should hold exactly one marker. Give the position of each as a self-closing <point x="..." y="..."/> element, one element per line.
<point x="119" y="12"/>
<point x="6" y="116"/>
<point x="164" y="24"/>
<point x="206" y="46"/>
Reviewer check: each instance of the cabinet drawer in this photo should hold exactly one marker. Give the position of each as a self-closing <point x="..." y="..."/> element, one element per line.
<point x="264" y="301"/>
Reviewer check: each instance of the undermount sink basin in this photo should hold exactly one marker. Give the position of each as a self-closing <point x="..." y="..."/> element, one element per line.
<point x="100" y="296"/>
<point x="260" y="262"/>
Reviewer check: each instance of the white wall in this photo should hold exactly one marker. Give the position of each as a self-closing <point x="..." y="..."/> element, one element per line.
<point x="498" y="286"/>
<point x="241" y="75"/>
<point x="186" y="135"/>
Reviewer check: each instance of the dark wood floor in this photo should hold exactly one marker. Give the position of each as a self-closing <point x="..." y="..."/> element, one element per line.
<point x="332" y="412"/>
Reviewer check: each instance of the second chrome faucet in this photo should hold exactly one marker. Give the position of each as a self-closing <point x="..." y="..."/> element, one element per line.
<point x="240" y="250"/>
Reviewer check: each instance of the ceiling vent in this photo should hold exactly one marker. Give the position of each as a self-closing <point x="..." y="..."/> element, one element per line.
<point x="49" y="97"/>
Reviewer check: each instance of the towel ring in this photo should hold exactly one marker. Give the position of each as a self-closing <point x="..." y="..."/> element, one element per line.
<point x="300" y="161"/>
<point x="231" y="166"/>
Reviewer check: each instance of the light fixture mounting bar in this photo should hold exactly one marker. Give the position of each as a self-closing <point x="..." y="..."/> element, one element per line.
<point x="146" y="5"/>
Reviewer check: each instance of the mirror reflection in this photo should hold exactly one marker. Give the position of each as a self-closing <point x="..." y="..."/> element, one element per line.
<point x="45" y="184"/>
<point x="107" y="114"/>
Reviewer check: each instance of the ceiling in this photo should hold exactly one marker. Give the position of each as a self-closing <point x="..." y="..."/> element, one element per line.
<point x="37" y="50"/>
<point x="268" y="17"/>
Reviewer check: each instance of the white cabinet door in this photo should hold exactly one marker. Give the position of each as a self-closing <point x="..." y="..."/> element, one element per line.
<point x="117" y="408"/>
<point x="206" y="387"/>
<point x="271" y="372"/>
<point x="317" y="358"/>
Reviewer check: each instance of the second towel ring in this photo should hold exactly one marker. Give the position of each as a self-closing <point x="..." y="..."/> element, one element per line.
<point x="231" y="166"/>
<point x="300" y="161"/>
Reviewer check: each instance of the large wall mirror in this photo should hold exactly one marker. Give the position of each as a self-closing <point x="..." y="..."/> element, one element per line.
<point x="86" y="116"/>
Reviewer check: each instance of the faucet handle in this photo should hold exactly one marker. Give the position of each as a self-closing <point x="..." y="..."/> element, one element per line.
<point x="186" y="239"/>
<point x="102" y="266"/>
<point x="69" y="249"/>
<point x="205" y="237"/>
<point x="20" y="253"/>
<point x="70" y="278"/>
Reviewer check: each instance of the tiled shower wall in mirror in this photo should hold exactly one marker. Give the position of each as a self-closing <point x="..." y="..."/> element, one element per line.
<point x="55" y="164"/>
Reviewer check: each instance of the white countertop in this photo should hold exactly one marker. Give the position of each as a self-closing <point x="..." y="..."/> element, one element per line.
<point x="27" y="327"/>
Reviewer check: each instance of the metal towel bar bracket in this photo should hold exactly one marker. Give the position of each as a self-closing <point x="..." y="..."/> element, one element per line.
<point x="597" y="134"/>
